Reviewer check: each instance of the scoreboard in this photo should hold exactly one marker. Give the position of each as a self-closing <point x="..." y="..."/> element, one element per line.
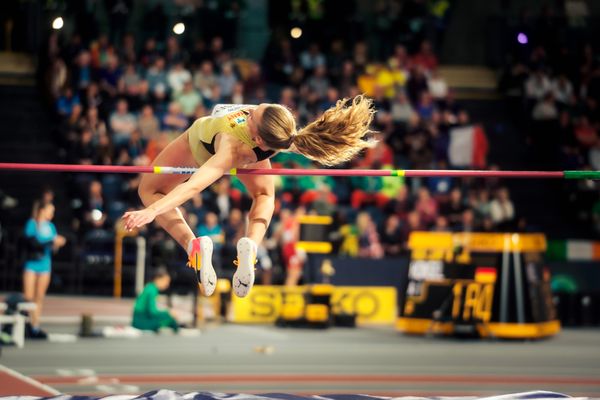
<point x="485" y="284"/>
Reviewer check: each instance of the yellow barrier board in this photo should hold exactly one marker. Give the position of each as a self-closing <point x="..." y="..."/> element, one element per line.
<point x="372" y="305"/>
<point x="478" y="242"/>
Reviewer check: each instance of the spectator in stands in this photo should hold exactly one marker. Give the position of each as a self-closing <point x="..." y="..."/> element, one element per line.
<point x="83" y="151"/>
<point x="149" y="53"/>
<point x="174" y="54"/>
<point x="437" y="86"/>
<point x="92" y="97"/>
<point x="215" y="97"/>
<point x="95" y="125"/>
<point x="217" y="52"/>
<point x="146" y="314"/>
<point x="369" y="245"/>
<point x="391" y="236"/>
<point x="400" y="57"/>
<point x="73" y="124"/>
<point x="483" y="205"/>
<point x="426" y="206"/>
<point x="454" y="208"/>
<point x="253" y="81"/>
<point x="585" y="133"/>
<point x="545" y="109"/>
<point x="157" y="76"/>
<point x="127" y="52"/>
<point x="366" y="190"/>
<point x="413" y="224"/>
<point x="401" y="204"/>
<point x="311" y="58"/>
<point x="129" y="83"/>
<point x="178" y="75"/>
<point x="416" y="84"/>
<point x="401" y="109"/>
<point x="83" y="74"/>
<point x="360" y="56"/>
<point x="467" y="222"/>
<point x="318" y="82"/>
<point x="105" y="151"/>
<point x="440" y="186"/>
<point x="425" y="58"/>
<point x="65" y="103"/>
<point x="287" y="98"/>
<point x="502" y="210"/>
<point x="174" y="121"/>
<point x="441" y="224"/>
<point x="426" y="106"/>
<point x="237" y="96"/>
<point x="110" y="76"/>
<point x="189" y="98"/>
<point x="148" y="123"/>
<point x="41" y="239"/>
<point x="205" y="78"/>
<point x="226" y="80"/>
<point x="287" y="233"/>
<point x="136" y="148"/>
<point x="562" y="89"/>
<point x="537" y="85"/>
<point x="122" y="123"/>
<point x="94" y="211"/>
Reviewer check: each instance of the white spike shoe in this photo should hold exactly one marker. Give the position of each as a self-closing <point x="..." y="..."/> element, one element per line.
<point x="243" y="279"/>
<point x="200" y="259"/>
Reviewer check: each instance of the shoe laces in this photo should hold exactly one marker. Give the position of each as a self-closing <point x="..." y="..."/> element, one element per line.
<point x="236" y="262"/>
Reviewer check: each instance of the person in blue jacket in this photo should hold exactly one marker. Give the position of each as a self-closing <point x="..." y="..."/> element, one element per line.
<point x="41" y="239"/>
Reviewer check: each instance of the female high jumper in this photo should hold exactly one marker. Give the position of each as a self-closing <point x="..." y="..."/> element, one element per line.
<point x="243" y="136"/>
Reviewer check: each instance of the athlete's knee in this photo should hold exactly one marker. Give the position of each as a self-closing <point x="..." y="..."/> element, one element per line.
<point x="146" y="193"/>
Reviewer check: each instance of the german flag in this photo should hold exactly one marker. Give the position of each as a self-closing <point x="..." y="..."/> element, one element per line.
<point x="485" y="274"/>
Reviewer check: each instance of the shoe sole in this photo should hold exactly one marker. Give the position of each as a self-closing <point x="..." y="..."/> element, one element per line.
<point x="243" y="279"/>
<point x="206" y="275"/>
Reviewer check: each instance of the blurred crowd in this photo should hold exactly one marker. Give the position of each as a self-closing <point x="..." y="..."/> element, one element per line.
<point x="553" y="72"/>
<point x="121" y="103"/>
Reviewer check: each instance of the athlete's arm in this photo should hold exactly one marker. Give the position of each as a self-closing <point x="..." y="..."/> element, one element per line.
<point x="214" y="168"/>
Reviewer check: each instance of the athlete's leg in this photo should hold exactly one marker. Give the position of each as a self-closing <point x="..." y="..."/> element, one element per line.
<point x="154" y="187"/>
<point x="29" y="278"/>
<point x="41" y="287"/>
<point x="262" y="190"/>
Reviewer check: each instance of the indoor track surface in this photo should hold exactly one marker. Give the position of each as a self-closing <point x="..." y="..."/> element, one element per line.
<point x="261" y="359"/>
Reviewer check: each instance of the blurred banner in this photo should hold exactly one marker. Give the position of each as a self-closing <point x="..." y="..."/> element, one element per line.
<point x="371" y="305"/>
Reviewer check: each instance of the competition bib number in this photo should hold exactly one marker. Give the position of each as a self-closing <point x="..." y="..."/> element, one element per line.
<point x="223" y="109"/>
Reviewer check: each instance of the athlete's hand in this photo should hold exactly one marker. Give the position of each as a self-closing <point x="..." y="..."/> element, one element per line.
<point x="136" y="219"/>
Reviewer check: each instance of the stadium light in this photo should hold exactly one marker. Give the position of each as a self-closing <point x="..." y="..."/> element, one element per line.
<point x="58" y="23"/>
<point x="179" y="28"/>
<point x="296" y="32"/>
<point x="522" y="38"/>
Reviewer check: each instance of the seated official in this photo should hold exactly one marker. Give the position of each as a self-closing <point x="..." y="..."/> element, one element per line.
<point x="146" y="315"/>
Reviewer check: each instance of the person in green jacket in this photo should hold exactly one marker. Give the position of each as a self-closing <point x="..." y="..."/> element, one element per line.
<point x="146" y="315"/>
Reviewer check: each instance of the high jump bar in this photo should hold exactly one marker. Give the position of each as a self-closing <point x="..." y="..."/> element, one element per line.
<point x="120" y="169"/>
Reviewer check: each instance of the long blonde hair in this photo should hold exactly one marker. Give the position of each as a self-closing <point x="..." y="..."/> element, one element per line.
<point x="336" y="137"/>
